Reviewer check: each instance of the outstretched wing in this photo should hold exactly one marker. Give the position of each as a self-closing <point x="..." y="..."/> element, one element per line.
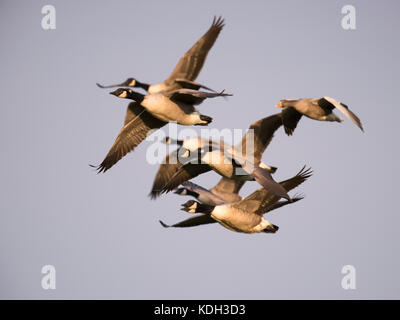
<point x="131" y="112"/>
<point x="194" y="97"/>
<point x="280" y="204"/>
<point x="191" y="222"/>
<point x="187" y="84"/>
<point x="328" y="102"/>
<point x="131" y="135"/>
<point x="182" y="174"/>
<point x="228" y="189"/>
<point x="264" y="178"/>
<point x="190" y="64"/>
<point x="165" y="172"/>
<point x="263" y="131"/>
<point x="290" y="118"/>
<point x="203" y="192"/>
<point x="268" y="199"/>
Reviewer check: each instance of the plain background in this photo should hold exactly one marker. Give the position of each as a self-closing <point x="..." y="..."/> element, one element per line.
<point x="101" y="232"/>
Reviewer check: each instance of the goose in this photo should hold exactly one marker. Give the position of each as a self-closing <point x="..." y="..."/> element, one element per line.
<point x="187" y="69"/>
<point x="245" y="215"/>
<point x="226" y="190"/>
<point x="225" y="160"/>
<point x="317" y="109"/>
<point x="153" y="111"/>
<point x="173" y="106"/>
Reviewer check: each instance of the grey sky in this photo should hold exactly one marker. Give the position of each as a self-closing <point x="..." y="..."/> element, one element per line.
<point x="101" y="232"/>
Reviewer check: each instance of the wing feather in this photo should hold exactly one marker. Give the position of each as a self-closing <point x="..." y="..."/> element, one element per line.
<point x="190" y="64"/>
<point x="195" y="221"/>
<point x="343" y="109"/>
<point x="268" y="199"/>
<point x="140" y="123"/>
<point x="290" y="119"/>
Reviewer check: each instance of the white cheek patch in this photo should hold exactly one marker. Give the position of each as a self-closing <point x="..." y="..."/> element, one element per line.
<point x="123" y="95"/>
<point x="193" y="206"/>
<point x="132" y="83"/>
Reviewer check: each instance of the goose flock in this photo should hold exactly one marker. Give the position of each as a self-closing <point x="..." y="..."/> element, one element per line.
<point x="174" y="100"/>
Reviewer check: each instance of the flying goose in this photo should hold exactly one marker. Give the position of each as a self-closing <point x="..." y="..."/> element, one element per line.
<point x="245" y="215"/>
<point x="226" y="160"/>
<point x="173" y="106"/>
<point x="227" y="190"/>
<point x="188" y="67"/>
<point x="317" y="109"/>
<point x="153" y="112"/>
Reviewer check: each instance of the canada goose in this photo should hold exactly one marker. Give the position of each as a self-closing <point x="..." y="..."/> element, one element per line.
<point x="201" y="194"/>
<point x="245" y="215"/>
<point x="153" y="112"/>
<point x="223" y="159"/>
<point x="173" y="106"/>
<point x="226" y="190"/>
<point x="188" y="67"/>
<point x="318" y="109"/>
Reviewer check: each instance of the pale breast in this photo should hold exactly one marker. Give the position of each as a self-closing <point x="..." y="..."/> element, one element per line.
<point x="236" y="219"/>
<point x="166" y="110"/>
<point x="158" y="87"/>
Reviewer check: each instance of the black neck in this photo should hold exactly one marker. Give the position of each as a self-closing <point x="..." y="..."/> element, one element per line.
<point x="204" y="208"/>
<point x="192" y="193"/>
<point x="138" y="97"/>
<point x="144" y="86"/>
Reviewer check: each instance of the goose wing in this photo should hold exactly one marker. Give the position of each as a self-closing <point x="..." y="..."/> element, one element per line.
<point x="191" y="222"/>
<point x="182" y="173"/>
<point x="280" y="204"/>
<point x="131" y="135"/>
<point x="203" y="192"/>
<point x="290" y="119"/>
<point x="165" y="172"/>
<point x="328" y="103"/>
<point x="264" y="178"/>
<point x="228" y="189"/>
<point x="190" y="64"/>
<point x="260" y="133"/>
<point x="261" y="175"/>
<point x="131" y="112"/>
<point x="193" y="97"/>
<point x="187" y="84"/>
<point x="268" y="199"/>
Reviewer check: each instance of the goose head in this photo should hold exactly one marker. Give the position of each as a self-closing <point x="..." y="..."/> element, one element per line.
<point x="285" y="103"/>
<point x="128" y="94"/>
<point x="181" y="191"/>
<point x="130" y="82"/>
<point x="191" y="206"/>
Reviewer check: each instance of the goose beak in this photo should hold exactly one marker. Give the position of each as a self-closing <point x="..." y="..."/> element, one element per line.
<point x="278" y="105"/>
